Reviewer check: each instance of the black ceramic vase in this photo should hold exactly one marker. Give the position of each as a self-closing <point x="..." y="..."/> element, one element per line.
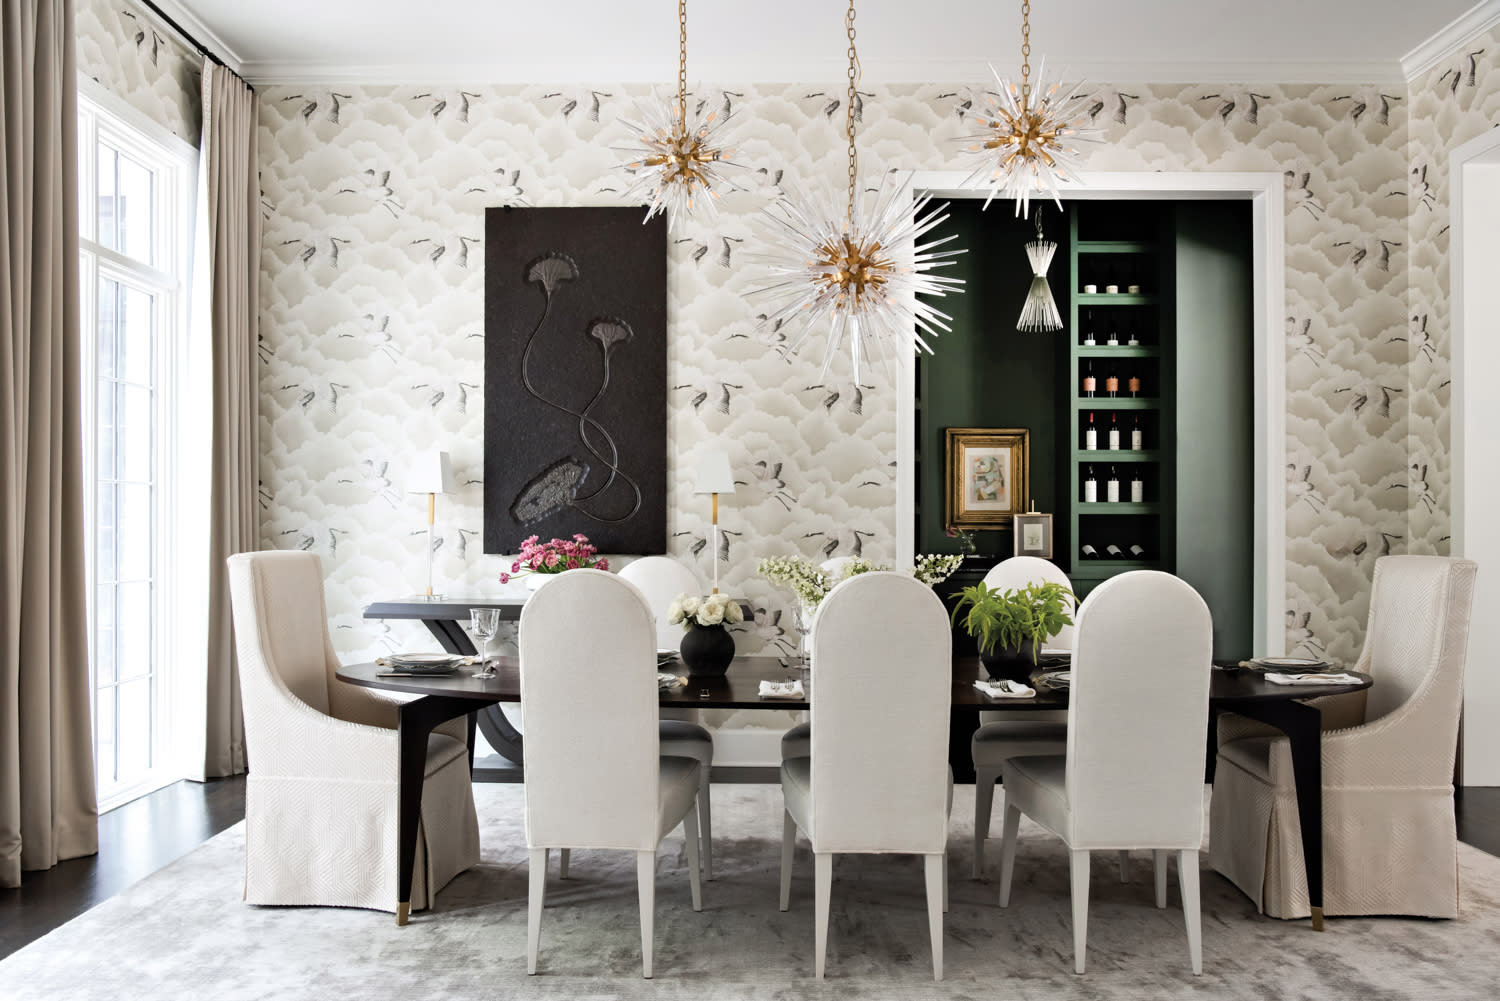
<point x="1009" y="663"/>
<point x="706" y="651"/>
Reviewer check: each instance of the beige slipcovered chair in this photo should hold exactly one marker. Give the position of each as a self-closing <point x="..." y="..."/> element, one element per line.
<point x="1004" y="735"/>
<point x="877" y="780"/>
<point x="1389" y="840"/>
<point x="321" y="795"/>
<point x="1132" y="776"/>
<point x="595" y="777"/>
<point x="660" y="580"/>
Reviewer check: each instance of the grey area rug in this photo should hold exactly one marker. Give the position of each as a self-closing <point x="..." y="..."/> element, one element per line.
<point x="184" y="932"/>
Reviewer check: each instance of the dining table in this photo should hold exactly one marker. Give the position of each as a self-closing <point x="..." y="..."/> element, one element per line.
<point x="442" y="697"/>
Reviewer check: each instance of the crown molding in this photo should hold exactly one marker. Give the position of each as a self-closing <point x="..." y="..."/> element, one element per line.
<point x="205" y="35"/>
<point x="1475" y="21"/>
<point x="890" y="71"/>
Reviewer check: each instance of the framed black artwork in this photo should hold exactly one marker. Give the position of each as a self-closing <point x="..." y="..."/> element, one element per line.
<point x="575" y="378"/>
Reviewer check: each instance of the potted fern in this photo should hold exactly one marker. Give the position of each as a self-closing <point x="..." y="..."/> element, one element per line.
<point x="1011" y="627"/>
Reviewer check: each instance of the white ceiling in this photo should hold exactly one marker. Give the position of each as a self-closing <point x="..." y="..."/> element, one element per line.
<point x="764" y="41"/>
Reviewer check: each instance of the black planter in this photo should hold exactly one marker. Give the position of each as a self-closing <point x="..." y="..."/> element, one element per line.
<point x="1009" y="663"/>
<point x="706" y="651"/>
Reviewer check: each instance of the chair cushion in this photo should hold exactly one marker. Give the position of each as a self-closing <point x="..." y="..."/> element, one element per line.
<point x="797" y="742"/>
<point x="686" y="740"/>
<point x="796" y="789"/>
<point x="677" y="788"/>
<point x="1253" y="754"/>
<point x="994" y="743"/>
<point x="442" y="749"/>
<point x="1038" y="786"/>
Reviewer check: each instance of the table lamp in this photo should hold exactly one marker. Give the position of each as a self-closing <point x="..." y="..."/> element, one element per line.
<point x="715" y="477"/>
<point x="431" y="474"/>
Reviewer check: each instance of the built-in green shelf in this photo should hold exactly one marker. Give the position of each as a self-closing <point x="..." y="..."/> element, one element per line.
<point x="1114" y="299"/>
<point x="1118" y="351"/>
<point x="1116" y="247"/>
<point x="1119" y="507"/>
<point x="1117" y="402"/>
<point x="1086" y="455"/>
<point x="1104" y="569"/>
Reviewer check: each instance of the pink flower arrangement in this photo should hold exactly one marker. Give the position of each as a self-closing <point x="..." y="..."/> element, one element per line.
<point x="554" y="556"/>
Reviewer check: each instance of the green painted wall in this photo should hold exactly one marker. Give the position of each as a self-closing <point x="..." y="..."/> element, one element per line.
<point x="986" y="373"/>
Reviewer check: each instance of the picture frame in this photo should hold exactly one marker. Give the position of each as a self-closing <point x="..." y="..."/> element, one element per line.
<point x="987" y="477"/>
<point x="1033" y="534"/>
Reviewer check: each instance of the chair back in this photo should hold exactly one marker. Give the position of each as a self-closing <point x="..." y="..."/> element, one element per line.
<point x="1418" y="635"/>
<point x="1138" y="714"/>
<point x="281" y="631"/>
<point x="589" y="712"/>
<point x="660" y="579"/>
<point x="1018" y="572"/>
<point x="881" y="689"/>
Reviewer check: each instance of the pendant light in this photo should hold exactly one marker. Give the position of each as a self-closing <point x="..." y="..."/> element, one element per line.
<point x="1039" y="313"/>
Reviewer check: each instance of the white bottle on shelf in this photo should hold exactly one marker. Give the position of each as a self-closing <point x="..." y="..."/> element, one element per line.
<point x="1137" y="553"/>
<point x="1091" y="488"/>
<point x="1137" y="489"/>
<point x="1091" y="436"/>
<point x="1135" y="436"/>
<point x="1112" y="488"/>
<point x="1089" y="552"/>
<point x="1114" y="433"/>
<point x="1113" y="552"/>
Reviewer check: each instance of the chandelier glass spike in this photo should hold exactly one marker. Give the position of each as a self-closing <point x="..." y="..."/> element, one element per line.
<point x="676" y="154"/>
<point x="861" y="264"/>
<point x="1028" y="138"/>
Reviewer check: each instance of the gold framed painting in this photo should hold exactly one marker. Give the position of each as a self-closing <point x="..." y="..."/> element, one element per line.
<point x="987" y="476"/>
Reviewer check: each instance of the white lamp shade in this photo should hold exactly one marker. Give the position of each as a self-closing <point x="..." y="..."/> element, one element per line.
<point x="431" y="473"/>
<point x="714" y="474"/>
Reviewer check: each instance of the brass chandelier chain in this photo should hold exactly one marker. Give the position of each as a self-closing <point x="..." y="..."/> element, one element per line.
<point x="682" y="60"/>
<point x="1025" y="52"/>
<point x="849" y="112"/>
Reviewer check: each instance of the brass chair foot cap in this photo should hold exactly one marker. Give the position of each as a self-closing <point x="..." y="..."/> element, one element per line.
<point x="1317" y="918"/>
<point x="403" y="911"/>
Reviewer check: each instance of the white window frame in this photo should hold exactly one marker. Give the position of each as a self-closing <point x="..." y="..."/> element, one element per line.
<point x="104" y="117"/>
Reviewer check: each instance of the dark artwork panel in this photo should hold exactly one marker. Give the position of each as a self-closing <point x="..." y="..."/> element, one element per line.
<point x="575" y="378"/>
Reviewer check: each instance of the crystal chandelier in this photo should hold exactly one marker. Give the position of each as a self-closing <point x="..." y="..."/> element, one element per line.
<point x="1026" y="146"/>
<point x="675" y="154"/>
<point x="863" y="266"/>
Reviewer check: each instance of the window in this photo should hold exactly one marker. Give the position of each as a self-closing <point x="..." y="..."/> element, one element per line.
<point x="134" y="227"/>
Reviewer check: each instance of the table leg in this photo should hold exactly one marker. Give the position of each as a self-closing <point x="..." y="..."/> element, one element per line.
<point x="414" y="724"/>
<point x="1303" y="726"/>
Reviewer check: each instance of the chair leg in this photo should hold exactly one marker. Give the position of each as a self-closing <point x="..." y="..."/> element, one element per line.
<point x="937" y="869"/>
<point x="1160" y="858"/>
<point x="1008" y="851"/>
<point x="694" y="855"/>
<point x="1124" y="866"/>
<point x="645" y="878"/>
<point x="705" y="821"/>
<point x="564" y="856"/>
<point x="822" y="885"/>
<point x="537" y="889"/>
<point x="1079" y="874"/>
<point x="788" y="841"/>
<point x="1192" y="911"/>
<point x="984" y="798"/>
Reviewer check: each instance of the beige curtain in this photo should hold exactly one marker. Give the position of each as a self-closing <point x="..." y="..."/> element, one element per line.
<point x="229" y="158"/>
<point x="48" y="810"/>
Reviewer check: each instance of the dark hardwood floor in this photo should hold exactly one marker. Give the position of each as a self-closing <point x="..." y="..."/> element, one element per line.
<point x="141" y="837"/>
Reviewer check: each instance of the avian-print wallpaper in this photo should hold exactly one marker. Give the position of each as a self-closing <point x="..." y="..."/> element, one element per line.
<point x="372" y="315"/>
<point x="127" y="50"/>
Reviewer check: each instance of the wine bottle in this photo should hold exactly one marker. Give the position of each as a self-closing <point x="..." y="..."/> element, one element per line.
<point x="1090" y="435"/>
<point x="1088" y="381"/>
<point x="1137" y="488"/>
<point x="1089" y="552"/>
<point x="1091" y="488"/>
<point x="1088" y="331"/>
<point x="1113" y="552"/>
<point x="1134" y="340"/>
<point x="1112" y="382"/>
<point x="1135" y="435"/>
<point x="1133" y="384"/>
<point x="1137" y="553"/>
<point x="1114" y="433"/>
<point x="1114" y="337"/>
<point x="1112" y="488"/>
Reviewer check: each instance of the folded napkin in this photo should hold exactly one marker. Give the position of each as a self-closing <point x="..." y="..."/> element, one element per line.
<point x="1005" y="689"/>
<point x="782" y="690"/>
<point x="462" y="661"/>
<point x="667" y="682"/>
<point x="1276" y="678"/>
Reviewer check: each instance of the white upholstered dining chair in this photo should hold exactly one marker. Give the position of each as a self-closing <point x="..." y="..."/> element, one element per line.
<point x="1390" y="843"/>
<point x="660" y="580"/>
<point x="322" y="791"/>
<point x="595" y="776"/>
<point x="1004" y="735"/>
<point x="877" y="780"/>
<point x="1132" y="775"/>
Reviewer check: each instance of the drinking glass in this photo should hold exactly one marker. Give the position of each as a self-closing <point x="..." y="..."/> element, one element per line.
<point x="484" y="623"/>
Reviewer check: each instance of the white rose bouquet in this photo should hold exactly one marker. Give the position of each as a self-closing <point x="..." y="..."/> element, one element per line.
<point x="714" y="610"/>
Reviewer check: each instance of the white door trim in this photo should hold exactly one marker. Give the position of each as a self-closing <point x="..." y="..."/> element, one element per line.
<point x="1264" y="190"/>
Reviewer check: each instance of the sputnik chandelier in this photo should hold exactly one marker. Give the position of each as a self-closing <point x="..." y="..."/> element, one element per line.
<point x="1026" y="146"/>
<point x="675" y="154"/>
<point x="862" y="266"/>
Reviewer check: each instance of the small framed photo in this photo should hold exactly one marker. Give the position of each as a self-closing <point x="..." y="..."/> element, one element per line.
<point x="987" y="476"/>
<point x="1033" y="534"/>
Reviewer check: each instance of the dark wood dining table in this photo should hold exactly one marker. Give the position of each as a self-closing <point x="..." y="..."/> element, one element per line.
<point x="445" y="697"/>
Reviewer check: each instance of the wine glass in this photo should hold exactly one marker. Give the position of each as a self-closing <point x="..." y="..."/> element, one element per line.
<point x="484" y="623"/>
